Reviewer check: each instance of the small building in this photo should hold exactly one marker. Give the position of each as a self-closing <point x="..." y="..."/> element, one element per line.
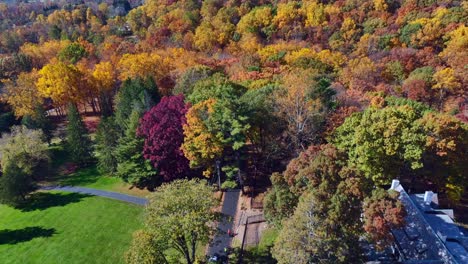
<point x="430" y="234"/>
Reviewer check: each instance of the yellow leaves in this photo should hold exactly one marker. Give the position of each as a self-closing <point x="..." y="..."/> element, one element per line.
<point x="60" y="17"/>
<point x="380" y="5"/>
<point x="215" y="30"/>
<point x="315" y="13"/>
<point x="204" y="38"/>
<point x="458" y="38"/>
<point x="294" y="56"/>
<point x="200" y="146"/>
<point x="445" y="134"/>
<point x="41" y="54"/>
<point x="432" y="28"/>
<point x="60" y="82"/>
<point x="104" y="75"/>
<point x="333" y="58"/>
<point x="456" y="52"/>
<point x="454" y="191"/>
<point x="141" y="65"/>
<point x="255" y="20"/>
<point x="22" y="95"/>
<point x="348" y="29"/>
<point x="286" y="13"/>
<point x="357" y="72"/>
<point x="273" y="50"/>
<point x="250" y="43"/>
<point x="445" y="79"/>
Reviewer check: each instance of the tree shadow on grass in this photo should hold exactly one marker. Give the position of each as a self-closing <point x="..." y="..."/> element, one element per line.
<point x="11" y="237"/>
<point x="44" y="200"/>
<point x="81" y="177"/>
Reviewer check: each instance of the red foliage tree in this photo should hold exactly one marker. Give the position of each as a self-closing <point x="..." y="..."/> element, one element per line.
<point x="383" y="211"/>
<point x="161" y="127"/>
<point x="417" y="90"/>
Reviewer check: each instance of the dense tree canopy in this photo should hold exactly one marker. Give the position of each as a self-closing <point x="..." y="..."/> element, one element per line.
<point x="336" y="98"/>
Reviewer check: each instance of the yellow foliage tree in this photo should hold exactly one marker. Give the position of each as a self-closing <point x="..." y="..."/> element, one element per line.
<point x="41" y="54"/>
<point x="445" y="81"/>
<point x="141" y="65"/>
<point x="287" y="13"/>
<point x="315" y="13"/>
<point x="200" y="146"/>
<point x="22" y="95"/>
<point x="255" y="20"/>
<point x="380" y="5"/>
<point x="104" y="76"/>
<point x="61" y="82"/>
<point x="456" y="52"/>
<point x="295" y="105"/>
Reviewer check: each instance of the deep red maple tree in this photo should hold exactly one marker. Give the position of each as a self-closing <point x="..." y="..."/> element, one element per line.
<point x="161" y="127"/>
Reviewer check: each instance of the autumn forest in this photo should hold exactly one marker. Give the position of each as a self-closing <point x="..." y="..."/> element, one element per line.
<point x="312" y="107"/>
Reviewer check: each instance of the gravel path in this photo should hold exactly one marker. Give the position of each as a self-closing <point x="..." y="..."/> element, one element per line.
<point x="111" y="195"/>
<point x="222" y="240"/>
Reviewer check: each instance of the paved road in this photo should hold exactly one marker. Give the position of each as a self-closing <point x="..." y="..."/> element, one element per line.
<point x="111" y="195"/>
<point x="222" y="240"/>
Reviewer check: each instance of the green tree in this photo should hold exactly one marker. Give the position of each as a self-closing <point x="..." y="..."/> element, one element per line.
<point x="279" y="202"/>
<point x="218" y="116"/>
<point x="146" y="248"/>
<point x="181" y="213"/>
<point x="15" y="184"/>
<point x="132" y="167"/>
<point x="72" y="53"/>
<point x="24" y="160"/>
<point x="187" y="80"/>
<point x="135" y="93"/>
<point x="307" y="237"/>
<point x="39" y="121"/>
<point x="383" y="143"/>
<point x="107" y="137"/>
<point x="77" y="138"/>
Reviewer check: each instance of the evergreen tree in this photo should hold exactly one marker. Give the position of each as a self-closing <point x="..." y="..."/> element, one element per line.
<point x="135" y="93"/>
<point x="39" y="121"/>
<point x="132" y="167"/>
<point x="78" y="141"/>
<point x="106" y="142"/>
<point x="15" y="183"/>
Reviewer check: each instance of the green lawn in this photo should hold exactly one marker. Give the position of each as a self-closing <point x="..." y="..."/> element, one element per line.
<point x="86" y="177"/>
<point x="58" y="227"/>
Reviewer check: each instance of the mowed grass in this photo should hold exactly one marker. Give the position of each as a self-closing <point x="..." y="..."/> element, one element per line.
<point x="60" y="227"/>
<point x="89" y="177"/>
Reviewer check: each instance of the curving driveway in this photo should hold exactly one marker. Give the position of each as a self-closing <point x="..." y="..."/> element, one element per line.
<point x="111" y="195"/>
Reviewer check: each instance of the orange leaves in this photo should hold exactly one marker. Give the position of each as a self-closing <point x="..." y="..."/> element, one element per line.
<point x="22" y="94"/>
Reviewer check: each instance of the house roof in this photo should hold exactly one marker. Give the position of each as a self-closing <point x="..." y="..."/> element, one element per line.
<point x="430" y="234"/>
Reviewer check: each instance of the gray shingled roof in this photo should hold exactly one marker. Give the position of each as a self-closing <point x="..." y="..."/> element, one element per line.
<point x="430" y="235"/>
